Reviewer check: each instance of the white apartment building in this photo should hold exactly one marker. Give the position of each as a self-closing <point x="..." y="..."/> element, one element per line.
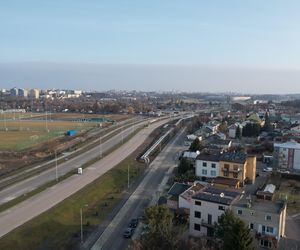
<point x="287" y="155"/>
<point x="206" y="208"/>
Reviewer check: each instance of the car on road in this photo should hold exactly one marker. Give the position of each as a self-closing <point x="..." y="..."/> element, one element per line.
<point x="133" y="223"/>
<point x="283" y="171"/>
<point x="128" y="232"/>
<point x="268" y="169"/>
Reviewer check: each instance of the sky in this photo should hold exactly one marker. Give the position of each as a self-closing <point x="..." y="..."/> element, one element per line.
<point x="217" y="45"/>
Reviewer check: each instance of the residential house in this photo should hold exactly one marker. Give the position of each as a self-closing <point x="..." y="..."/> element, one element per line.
<point x="266" y="219"/>
<point x="238" y="165"/>
<point x="207" y="207"/>
<point x="207" y="165"/>
<point x="173" y="194"/>
<point x="215" y="141"/>
<point x="185" y="199"/>
<point x="190" y="156"/>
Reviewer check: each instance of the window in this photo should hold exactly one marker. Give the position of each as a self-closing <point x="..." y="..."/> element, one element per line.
<point x="197" y="227"/>
<point x="251" y="226"/>
<point x="270" y="230"/>
<point x="235" y="167"/>
<point x="197" y="214"/>
<point x="265" y="243"/>
<point x="226" y="167"/>
<point x="213" y="165"/>
<point x="204" y="171"/>
<point x="235" y="175"/>
<point x="222" y="208"/>
<point x="219" y="219"/>
<point x="198" y="203"/>
<point x="240" y="212"/>
<point x="226" y="173"/>
<point x="213" y="173"/>
<point x="268" y="217"/>
<point x="204" y="164"/>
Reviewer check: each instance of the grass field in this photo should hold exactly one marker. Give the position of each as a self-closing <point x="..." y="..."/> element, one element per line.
<point x="291" y="189"/>
<point x="23" y="134"/>
<point x="58" y="227"/>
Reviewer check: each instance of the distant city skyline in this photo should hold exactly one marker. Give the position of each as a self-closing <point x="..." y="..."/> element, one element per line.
<point x="215" y="46"/>
<point x="97" y="77"/>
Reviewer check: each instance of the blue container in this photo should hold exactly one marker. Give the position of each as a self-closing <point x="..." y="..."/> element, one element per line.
<point x="71" y="132"/>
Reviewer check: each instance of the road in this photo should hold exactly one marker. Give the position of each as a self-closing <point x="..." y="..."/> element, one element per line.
<point x="149" y="190"/>
<point x="32" y="207"/>
<point x="36" y="181"/>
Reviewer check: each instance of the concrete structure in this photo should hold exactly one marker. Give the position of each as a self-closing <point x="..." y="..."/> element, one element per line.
<point x="22" y="92"/>
<point x="207" y="165"/>
<point x="185" y="199"/>
<point x="287" y="155"/>
<point x="238" y="165"/>
<point x="34" y="93"/>
<point x="207" y="207"/>
<point x="266" y="219"/>
<point x="14" y="92"/>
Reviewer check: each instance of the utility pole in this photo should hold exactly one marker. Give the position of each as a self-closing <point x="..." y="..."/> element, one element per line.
<point x="122" y="135"/>
<point x="100" y="146"/>
<point x="81" y="224"/>
<point x="128" y="177"/>
<point x="81" y="227"/>
<point x="56" y="170"/>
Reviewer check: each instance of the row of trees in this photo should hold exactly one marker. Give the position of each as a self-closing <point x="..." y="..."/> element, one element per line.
<point x="231" y="233"/>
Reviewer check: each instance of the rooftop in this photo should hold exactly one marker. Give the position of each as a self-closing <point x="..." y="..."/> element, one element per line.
<point x="178" y="188"/>
<point x="260" y="205"/>
<point x="237" y="157"/>
<point x="191" y="191"/>
<point x="209" y="157"/>
<point x="224" y="181"/>
<point x="290" y="144"/>
<point x="218" y="195"/>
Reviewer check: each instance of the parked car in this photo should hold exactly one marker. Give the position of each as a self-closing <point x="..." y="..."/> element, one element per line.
<point x="133" y="223"/>
<point x="128" y="232"/>
<point x="268" y="169"/>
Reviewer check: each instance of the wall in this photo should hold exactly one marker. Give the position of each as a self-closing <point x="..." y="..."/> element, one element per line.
<point x="208" y="168"/>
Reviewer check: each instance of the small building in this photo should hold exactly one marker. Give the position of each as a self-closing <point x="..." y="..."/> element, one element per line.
<point x="173" y="194"/>
<point x="267" y="193"/>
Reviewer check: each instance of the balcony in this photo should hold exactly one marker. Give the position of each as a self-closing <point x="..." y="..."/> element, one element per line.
<point x="207" y="224"/>
<point x="265" y="236"/>
<point x="232" y="170"/>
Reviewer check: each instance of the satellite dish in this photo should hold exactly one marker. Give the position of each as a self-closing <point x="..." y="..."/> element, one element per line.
<point x="221" y="195"/>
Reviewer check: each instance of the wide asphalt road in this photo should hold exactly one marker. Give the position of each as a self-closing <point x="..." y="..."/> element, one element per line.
<point x="36" y="181"/>
<point x="25" y="211"/>
<point x="146" y="193"/>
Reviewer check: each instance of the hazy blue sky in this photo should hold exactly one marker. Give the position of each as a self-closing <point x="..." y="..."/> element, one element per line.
<point x="237" y="45"/>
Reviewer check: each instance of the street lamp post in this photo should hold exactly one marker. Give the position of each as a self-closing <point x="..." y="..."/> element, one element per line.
<point x="81" y="225"/>
<point x="56" y="170"/>
<point x="100" y="146"/>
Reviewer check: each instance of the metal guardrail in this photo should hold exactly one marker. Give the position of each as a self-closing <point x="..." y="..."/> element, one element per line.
<point x="145" y="156"/>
